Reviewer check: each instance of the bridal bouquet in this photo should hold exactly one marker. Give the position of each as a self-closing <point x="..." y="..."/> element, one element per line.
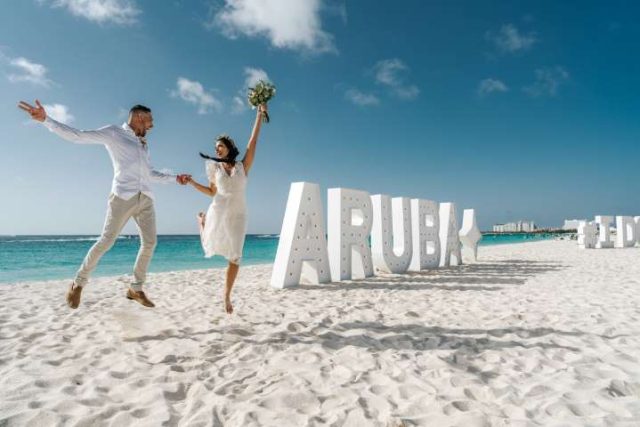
<point x="261" y="94"/>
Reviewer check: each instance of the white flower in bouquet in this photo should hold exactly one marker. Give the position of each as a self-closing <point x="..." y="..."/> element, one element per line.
<point x="261" y="94"/>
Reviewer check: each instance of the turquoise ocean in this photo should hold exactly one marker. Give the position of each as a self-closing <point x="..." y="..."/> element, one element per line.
<point x="29" y="258"/>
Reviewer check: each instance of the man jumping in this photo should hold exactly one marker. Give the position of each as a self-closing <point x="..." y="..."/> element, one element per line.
<point x="131" y="194"/>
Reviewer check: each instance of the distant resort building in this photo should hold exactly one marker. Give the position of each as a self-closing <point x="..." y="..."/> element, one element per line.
<point x="571" y="224"/>
<point x="515" y="227"/>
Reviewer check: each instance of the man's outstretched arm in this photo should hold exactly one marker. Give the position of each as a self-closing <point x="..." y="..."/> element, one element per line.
<point x="159" y="176"/>
<point x="38" y="113"/>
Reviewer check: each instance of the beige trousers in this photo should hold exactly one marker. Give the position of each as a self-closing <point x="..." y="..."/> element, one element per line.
<point x="140" y="207"/>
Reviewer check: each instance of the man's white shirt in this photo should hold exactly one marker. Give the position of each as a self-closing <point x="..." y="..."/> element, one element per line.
<point x="132" y="170"/>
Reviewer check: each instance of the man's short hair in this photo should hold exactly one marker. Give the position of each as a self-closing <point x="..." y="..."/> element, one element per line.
<point x="139" y="109"/>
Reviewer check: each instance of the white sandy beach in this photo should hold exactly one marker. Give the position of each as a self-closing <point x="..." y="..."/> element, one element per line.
<point x="533" y="334"/>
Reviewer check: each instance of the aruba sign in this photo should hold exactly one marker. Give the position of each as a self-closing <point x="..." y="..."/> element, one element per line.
<point x="406" y="235"/>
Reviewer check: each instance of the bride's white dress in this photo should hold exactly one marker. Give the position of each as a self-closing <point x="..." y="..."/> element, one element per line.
<point x="226" y="221"/>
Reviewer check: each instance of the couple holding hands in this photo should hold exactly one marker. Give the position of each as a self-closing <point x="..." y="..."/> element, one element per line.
<point x="222" y="228"/>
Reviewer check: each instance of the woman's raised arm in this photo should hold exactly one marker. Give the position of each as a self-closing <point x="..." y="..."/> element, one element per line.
<point x="253" y="141"/>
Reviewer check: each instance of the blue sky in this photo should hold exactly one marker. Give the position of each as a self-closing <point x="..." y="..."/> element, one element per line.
<point x="520" y="110"/>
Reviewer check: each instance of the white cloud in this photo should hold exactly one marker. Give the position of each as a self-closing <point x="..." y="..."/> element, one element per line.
<point x="192" y="92"/>
<point x="59" y="112"/>
<point x="122" y="12"/>
<point x="548" y="80"/>
<point x="287" y="24"/>
<point x="389" y="72"/>
<point x="252" y="76"/>
<point x="488" y="86"/>
<point x="28" y="71"/>
<point x="509" y="39"/>
<point x="407" y="92"/>
<point x="360" y="98"/>
<point x="239" y="105"/>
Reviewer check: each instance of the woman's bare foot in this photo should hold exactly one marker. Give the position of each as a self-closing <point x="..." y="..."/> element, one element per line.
<point x="227" y="305"/>
<point x="201" y="217"/>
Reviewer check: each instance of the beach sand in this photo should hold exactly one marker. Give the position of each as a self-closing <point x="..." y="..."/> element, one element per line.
<point x="532" y="334"/>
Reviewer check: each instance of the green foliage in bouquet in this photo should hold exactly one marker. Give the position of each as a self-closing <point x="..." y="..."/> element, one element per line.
<point x="261" y="94"/>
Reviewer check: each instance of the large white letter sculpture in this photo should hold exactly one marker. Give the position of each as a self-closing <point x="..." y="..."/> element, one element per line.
<point x="625" y="232"/>
<point x="604" y="236"/>
<point x="469" y="233"/>
<point x="302" y="239"/>
<point x="349" y="223"/>
<point x="587" y="236"/>
<point x="425" y="225"/>
<point x="391" y="245"/>
<point x="449" y="239"/>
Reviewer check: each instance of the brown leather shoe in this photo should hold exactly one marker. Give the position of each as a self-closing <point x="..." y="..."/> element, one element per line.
<point x="73" y="295"/>
<point x="140" y="297"/>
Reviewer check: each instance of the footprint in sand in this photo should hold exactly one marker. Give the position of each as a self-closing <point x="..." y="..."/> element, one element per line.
<point x="140" y="413"/>
<point x="41" y="384"/>
<point x="118" y="375"/>
<point x="460" y="406"/>
<point x="239" y="331"/>
<point x="296" y="326"/>
<point x="619" y="388"/>
<point x="178" y="395"/>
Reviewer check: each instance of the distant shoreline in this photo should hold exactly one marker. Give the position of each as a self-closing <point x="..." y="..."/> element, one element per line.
<point x="487" y="233"/>
<point x="484" y="233"/>
<point x="127" y="275"/>
<point x="53" y="257"/>
<point x="124" y="235"/>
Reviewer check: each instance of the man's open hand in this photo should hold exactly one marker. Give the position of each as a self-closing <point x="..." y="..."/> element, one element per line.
<point x="36" y="113"/>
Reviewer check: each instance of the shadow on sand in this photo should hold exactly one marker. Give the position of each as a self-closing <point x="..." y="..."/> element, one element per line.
<point x="466" y="344"/>
<point x="466" y="277"/>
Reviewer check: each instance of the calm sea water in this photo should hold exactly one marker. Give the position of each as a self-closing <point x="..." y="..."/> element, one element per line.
<point x="27" y="258"/>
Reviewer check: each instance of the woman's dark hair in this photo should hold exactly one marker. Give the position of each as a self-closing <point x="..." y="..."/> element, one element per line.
<point x="231" y="147"/>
